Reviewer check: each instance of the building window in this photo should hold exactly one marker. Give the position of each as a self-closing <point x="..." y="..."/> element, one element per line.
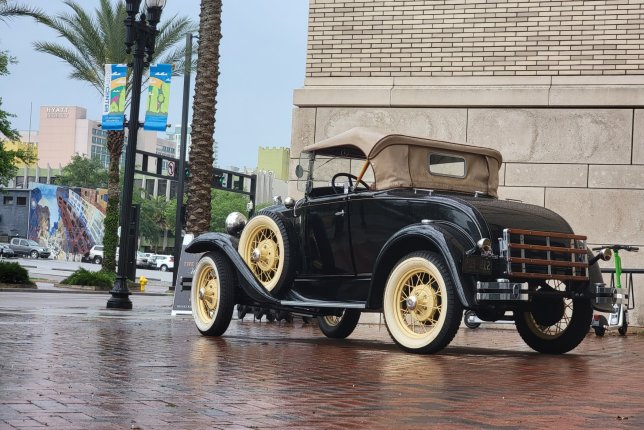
<point x="20" y="181"/>
<point x="162" y="188"/>
<point x="42" y="179"/>
<point x="31" y="179"/>
<point x="21" y="201"/>
<point x="149" y="187"/>
<point x="7" y="200"/>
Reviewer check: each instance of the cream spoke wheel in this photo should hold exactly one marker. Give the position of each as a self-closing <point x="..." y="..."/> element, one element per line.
<point x="420" y="308"/>
<point x="212" y="294"/>
<point x="264" y="247"/>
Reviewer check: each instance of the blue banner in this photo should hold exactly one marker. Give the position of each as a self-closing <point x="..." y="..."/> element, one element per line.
<point x="114" y="96"/>
<point x="156" y="115"/>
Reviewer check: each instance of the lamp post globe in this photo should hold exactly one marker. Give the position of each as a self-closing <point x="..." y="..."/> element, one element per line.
<point x="155" y="3"/>
<point x="140" y="39"/>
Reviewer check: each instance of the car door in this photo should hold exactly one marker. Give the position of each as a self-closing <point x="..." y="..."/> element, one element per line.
<point x="327" y="249"/>
<point x="327" y="263"/>
<point x="24" y="246"/>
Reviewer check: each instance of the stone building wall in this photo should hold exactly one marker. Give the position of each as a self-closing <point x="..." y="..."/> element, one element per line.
<point x="474" y="37"/>
<point x="574" y="144"/>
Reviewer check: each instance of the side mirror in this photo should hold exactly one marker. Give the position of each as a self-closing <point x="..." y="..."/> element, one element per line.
<point x="299" y="171"/>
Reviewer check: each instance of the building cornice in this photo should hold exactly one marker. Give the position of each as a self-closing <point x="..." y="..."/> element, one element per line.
<point x="471" y="91"/>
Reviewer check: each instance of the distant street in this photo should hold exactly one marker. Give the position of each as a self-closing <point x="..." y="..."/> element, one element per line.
<point x="55" y="271"/>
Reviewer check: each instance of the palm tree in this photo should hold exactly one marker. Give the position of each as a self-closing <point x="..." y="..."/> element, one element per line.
<point x="94" y="40"/>
<point x="203" y="118"/>
<point x="10" y="9"/>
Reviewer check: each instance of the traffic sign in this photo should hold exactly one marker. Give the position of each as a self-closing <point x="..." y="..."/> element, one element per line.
<point x="171" y="168"/>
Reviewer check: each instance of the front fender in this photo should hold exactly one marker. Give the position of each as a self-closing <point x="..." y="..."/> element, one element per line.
<point x="226" y="244"/>
<point x="444" y="238"/>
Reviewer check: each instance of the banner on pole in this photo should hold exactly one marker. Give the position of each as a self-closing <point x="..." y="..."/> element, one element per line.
<point x="156" y="115"/>
<point x="114" y="96"/>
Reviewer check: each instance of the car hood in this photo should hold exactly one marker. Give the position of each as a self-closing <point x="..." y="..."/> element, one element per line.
<point x="502" y="214"/>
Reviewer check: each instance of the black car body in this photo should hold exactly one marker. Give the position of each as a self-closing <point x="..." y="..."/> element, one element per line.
<point x="411" y="228"/>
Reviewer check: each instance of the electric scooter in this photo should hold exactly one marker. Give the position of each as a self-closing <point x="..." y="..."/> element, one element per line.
<point x="618" y="319"/>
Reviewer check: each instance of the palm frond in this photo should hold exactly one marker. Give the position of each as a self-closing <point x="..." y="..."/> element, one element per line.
<point x="80" y="66"/>
<point x="97" y="38"/>
<point x="11" y="10"/>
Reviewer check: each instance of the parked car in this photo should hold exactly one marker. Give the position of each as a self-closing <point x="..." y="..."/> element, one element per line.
<point x="28" y="247"/>
<point x="409" y="227"/>
<point x="142" y="259"/>
<point x="95" y="254"/>
<point x="6" y="251"/>
<point x="161" y="262"/>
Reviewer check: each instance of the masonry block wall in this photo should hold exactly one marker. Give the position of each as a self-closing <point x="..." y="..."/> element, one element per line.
<point x="474" y="37"/>
<point x="556" y="86"/>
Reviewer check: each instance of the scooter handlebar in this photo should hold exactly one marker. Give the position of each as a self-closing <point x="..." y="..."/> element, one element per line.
<point x="628" y="248"/>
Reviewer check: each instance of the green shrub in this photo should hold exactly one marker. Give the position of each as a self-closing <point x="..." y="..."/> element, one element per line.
<point x="13" y="273"/>
<point x="96" y="279"/>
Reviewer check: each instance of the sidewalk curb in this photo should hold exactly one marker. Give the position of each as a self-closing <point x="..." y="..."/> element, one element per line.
<point x="72" y="291"/>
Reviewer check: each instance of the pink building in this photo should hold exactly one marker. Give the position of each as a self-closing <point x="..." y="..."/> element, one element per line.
<point x="65" y="131"/>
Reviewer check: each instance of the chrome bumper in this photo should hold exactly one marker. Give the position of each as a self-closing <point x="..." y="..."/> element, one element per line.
<point x="501" y="291"/>
<point x="608" y="295"/>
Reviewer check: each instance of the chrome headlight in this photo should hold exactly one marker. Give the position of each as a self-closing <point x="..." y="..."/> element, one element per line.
<point x="235" y="223"/>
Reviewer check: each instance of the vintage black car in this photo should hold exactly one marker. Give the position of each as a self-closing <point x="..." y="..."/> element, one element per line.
<point x="409" y="227"/>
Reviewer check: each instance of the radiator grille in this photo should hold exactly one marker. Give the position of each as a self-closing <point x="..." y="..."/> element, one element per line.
<point x="545" y="255"/>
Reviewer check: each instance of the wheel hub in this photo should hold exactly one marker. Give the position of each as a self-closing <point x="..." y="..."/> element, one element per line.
<point x="208" y="295"/>
<point x="423" y="301"/>
<point x="265" y="255"/>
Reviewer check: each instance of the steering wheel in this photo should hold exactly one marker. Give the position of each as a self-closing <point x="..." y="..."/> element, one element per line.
<point x="351" y="178"/>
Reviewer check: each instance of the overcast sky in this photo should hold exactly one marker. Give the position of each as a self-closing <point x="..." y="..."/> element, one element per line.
<point x="263" y="56"/>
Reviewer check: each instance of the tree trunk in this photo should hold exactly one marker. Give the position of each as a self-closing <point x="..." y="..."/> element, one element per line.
<point x="115" y="141"/>
<point x="203" y="119"/>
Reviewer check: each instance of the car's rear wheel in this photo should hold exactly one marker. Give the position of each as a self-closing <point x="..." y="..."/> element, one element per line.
<point x="339" y="327"/>
<point x="164" y="268"/>
<point x="212" y="294"/>
<point x="553" y="324"/>
<point x="98" y="260"/>
<point x="421" y="310"/>
<point x="265" y="247"/>
<point x="34" y="254"/>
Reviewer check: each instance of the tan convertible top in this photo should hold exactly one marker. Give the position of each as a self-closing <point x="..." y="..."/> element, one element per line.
<point x="403" y="161"/>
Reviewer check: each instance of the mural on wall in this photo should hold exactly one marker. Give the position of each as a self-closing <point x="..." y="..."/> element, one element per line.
<point x="69" y="221"/>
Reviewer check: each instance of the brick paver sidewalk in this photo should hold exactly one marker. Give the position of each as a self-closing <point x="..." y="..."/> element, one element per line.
<point x="69" y="363"/>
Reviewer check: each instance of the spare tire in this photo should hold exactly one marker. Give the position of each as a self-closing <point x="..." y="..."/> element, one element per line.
<point x="266" y="248"/>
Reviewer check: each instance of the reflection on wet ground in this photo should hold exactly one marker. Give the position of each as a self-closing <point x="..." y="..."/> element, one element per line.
<point x="70" y="364"/>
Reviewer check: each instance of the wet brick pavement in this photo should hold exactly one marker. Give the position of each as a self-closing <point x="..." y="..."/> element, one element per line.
<point x="69" y="363"/>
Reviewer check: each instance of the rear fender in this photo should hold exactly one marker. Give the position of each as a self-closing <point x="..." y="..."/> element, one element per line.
<point x="226" y="244"/>
<point x="442" y="238"/>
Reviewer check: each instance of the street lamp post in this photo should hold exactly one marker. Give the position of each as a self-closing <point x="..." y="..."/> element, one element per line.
<point x="141" y="35"/>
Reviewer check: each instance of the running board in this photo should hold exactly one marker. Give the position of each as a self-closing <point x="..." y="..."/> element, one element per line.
<point x="323" y="304"/>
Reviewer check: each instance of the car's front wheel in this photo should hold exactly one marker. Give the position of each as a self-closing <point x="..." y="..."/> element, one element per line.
<point x="34" y="254"/>
<point x="266" y="248"/>
<point x="98" y="260"/>
<point x="554" y="324"/>
<point x="212" y="294"/>
<point x="339" y="327"/>
<point x="164" y="268"/>
<point x="422" y="312"/>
